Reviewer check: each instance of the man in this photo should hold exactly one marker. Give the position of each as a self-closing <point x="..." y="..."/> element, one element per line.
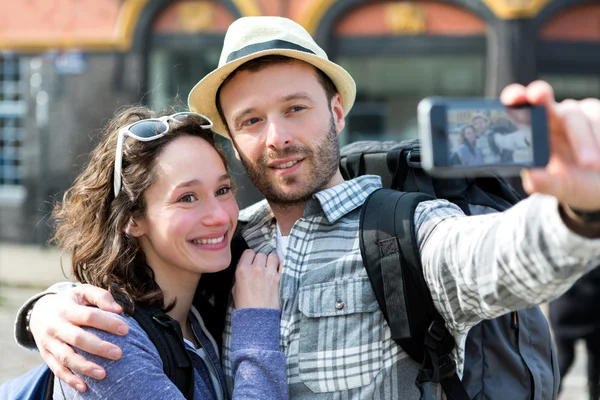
<point x="496" y="147"/>
<point x="283" y="114"/>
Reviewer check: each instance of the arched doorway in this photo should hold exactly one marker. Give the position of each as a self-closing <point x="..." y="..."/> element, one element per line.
<point x="399" y="53"/>
<point x="179" y="42"/>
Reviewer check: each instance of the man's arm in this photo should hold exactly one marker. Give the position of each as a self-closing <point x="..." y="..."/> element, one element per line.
<point x="55" y="323"/>
<point x="481" y="267"/>
<point x="138" y="375"/>
<point x="512" y="141"/>
<point x="23" y="335"/>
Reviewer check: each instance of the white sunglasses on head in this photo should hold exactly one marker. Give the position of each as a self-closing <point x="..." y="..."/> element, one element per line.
<point x="146" y="130"/>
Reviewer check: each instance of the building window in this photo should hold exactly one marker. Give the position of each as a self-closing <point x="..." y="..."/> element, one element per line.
<point x="390" y="88"/>
<point x="12" y="110"/>
<point x="573" y="86"/>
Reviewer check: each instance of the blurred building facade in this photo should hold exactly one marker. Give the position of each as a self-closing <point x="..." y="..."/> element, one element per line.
<point x="66" y="66"/>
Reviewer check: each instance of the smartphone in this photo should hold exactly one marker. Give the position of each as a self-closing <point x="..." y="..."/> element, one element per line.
<point x="480" y="137"/>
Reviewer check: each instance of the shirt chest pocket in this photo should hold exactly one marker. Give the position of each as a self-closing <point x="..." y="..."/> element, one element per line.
<point x="340" y="335"/>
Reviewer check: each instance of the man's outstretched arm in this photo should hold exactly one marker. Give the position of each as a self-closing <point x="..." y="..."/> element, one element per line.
<point x="484" y="266"/>
<point x="55" y="320"/>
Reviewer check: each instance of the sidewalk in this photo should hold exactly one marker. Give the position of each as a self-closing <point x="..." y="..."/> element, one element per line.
<point x="31" y="265"/>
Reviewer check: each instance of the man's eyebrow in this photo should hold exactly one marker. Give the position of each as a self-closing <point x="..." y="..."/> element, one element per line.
<point x="297" y="96"/>
<point x="239" y="116"/>
<point x="290" y="97"/>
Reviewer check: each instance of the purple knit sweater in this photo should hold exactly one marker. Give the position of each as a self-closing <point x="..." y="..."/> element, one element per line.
<point x="258" y="362"/>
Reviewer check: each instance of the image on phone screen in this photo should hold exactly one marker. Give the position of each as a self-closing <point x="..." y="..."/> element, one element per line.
<point x="489" y="136"/>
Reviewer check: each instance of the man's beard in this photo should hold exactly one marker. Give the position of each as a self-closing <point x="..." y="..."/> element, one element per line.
<point x="323" y="163"/>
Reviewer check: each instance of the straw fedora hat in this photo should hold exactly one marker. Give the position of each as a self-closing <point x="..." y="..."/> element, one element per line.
<point x="252" y="37"/>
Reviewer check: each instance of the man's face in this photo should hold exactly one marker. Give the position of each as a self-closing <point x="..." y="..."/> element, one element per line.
<point x="284" y="130"/>
<point x="480" y="124"/>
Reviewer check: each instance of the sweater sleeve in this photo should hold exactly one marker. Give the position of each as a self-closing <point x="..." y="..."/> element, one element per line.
<point x="259" y="365"/>
<point x="137" y="375"/>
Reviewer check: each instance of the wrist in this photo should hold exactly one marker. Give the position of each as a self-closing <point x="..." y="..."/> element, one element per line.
<point x="584" y="223"/>
<point x="584" y="216"/>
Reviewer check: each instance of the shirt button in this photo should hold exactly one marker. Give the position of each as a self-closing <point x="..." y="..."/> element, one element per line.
<point x="339" y="305"/>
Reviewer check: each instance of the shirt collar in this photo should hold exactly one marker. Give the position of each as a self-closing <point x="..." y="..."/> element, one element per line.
<point x="334" y="202"/>
<point x="341" y="199"/>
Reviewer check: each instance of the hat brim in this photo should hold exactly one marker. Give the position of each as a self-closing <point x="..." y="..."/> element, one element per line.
<point x="203" y="96"/>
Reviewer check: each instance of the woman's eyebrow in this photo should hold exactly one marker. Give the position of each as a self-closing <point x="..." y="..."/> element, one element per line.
<point x="197" y="182"/>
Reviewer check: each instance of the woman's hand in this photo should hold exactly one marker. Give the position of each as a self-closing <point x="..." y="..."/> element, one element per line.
<point x="257" y="281"/>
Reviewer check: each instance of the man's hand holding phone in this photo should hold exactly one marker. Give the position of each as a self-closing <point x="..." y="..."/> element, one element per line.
<point x="572" y="174"/>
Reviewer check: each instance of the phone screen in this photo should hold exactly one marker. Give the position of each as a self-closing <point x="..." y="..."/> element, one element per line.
<point x="489" y="136"/>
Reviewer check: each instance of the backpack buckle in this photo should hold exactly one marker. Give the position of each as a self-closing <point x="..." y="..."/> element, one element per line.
<point x="436" y="331"/>
<point x="447" y="366"/>
<point x="412" y="160"/>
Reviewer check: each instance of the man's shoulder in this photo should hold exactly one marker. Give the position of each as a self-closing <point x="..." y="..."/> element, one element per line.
<point x="254" y="212"/>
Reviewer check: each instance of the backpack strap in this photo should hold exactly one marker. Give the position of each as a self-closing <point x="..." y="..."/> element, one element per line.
<point x="49" y="393"/>
<point x="392" y="260"/>
<point x="165" y="333"/>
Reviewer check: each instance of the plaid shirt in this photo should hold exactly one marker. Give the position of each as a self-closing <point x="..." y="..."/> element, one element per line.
<point x="334" y="336"/>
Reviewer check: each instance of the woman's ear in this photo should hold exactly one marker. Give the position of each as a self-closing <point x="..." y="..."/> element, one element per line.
<point x="134" y="228"/>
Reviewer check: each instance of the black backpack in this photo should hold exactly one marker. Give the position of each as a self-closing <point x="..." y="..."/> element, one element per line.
<point x="164" y="332"/>
<point x="389" y="249"/>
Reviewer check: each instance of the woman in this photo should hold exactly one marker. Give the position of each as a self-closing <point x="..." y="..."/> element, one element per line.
<point x="468" y="152"/>
<point x="153" y="211"/>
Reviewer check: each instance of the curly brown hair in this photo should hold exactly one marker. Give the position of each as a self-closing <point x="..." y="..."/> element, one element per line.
<point x="92" y="224"/>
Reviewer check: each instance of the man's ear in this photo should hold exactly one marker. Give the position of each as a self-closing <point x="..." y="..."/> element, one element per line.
<point x="337" y="110"/>
<point x="237" y="154"/>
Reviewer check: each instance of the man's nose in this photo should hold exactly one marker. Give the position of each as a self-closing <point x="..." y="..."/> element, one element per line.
<point x="278" y="135"/>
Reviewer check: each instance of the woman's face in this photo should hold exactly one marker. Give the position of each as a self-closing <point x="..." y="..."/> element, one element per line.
<point x="470" y="135"/>
<point x="191" y="213"/>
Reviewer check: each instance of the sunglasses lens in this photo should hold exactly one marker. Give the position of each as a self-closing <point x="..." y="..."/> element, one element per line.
<point x="181" y="117"/>
<point x="148" y="129"/>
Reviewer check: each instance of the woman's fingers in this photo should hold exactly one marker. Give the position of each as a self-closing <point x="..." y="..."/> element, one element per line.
<point x="273" y="262"/>
<point x="247" y="258"/>
<point x="260" y="260"/>
<point x="257" y="282"/>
